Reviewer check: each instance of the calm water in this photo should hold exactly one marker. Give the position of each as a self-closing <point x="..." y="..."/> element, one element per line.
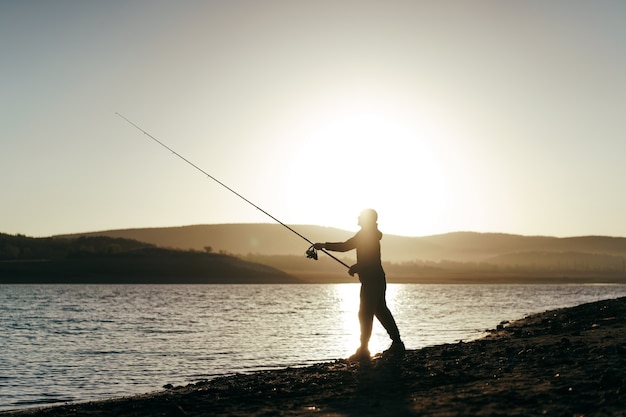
<point x="61" y="343"/>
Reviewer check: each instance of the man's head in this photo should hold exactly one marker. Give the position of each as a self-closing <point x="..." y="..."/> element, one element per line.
<point x="368" y="217"/>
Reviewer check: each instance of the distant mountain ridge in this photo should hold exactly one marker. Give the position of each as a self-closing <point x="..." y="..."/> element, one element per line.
<point x="274" y="239"/>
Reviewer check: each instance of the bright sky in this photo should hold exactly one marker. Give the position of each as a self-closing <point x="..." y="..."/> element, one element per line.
<point x="485" y="116"/>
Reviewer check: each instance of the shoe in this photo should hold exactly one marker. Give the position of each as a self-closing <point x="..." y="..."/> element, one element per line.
<point x="396" y="348"/>
<point x="360" y="354"/>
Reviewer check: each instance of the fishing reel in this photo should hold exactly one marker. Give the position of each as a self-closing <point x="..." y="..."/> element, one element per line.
<point x="311" y="253"/>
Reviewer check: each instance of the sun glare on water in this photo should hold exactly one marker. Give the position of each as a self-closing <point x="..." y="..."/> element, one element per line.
<point x="348" y="309"/>
<point x="362" y="161"/>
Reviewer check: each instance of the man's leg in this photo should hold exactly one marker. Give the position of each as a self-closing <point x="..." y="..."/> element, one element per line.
<point x="383" y="314"/>
<point x="367" y="310"/>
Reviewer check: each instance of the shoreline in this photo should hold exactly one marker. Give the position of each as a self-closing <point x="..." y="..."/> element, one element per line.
<point x="462" y="279"/>
<point x="560" y="362"/>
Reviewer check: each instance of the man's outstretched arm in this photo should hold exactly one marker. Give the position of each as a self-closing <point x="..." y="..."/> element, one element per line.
<point x="337" y="246"/>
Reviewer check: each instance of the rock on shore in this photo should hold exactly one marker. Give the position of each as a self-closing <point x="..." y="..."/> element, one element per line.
<point x="566" y="362"/>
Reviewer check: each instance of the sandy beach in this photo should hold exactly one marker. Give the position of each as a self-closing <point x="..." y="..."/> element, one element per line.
<point x="567" y="362"/>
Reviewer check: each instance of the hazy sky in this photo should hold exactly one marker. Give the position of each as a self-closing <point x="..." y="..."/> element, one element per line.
<point x="488" y="116"/>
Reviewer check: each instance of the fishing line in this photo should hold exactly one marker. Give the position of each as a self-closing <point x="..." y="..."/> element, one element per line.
<point x="311" y="253"/>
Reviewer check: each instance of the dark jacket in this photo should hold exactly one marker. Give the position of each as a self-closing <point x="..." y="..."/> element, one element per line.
<point x="368" y="261"/>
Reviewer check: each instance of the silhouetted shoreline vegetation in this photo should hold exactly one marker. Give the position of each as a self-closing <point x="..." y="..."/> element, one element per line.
<point x="108" y="257"/>
<point x="115" y="260"/>
<point x="325" y="270"/>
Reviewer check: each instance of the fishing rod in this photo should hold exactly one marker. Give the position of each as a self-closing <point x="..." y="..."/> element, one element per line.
<point x="311" y="253"/>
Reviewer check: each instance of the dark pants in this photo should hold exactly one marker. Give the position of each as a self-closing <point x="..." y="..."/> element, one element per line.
<point x="373" y="304"/>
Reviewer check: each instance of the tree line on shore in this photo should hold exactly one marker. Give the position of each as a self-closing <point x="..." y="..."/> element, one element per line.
<point x="101" y="259"/>
<point x="534" y="267"/>
<point x="105" y="259"/>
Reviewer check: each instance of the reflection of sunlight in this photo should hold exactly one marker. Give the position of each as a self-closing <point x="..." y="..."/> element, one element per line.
<point x="348" y="309"/>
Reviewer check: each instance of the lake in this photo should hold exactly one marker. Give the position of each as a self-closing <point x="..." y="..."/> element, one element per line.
<point x="64" y="343"/>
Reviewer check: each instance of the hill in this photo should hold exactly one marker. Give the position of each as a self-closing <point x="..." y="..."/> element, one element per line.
<point x="273" y="239"/>
<point x="456" y="257"/>
<point x="99" y="259"/>
<point x="241" y="239"/>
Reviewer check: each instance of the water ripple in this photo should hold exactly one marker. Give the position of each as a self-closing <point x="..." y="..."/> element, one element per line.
<point x="63" y="343"/>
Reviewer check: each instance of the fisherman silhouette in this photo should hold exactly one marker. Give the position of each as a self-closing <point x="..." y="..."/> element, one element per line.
<point x="373" y="283"/>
